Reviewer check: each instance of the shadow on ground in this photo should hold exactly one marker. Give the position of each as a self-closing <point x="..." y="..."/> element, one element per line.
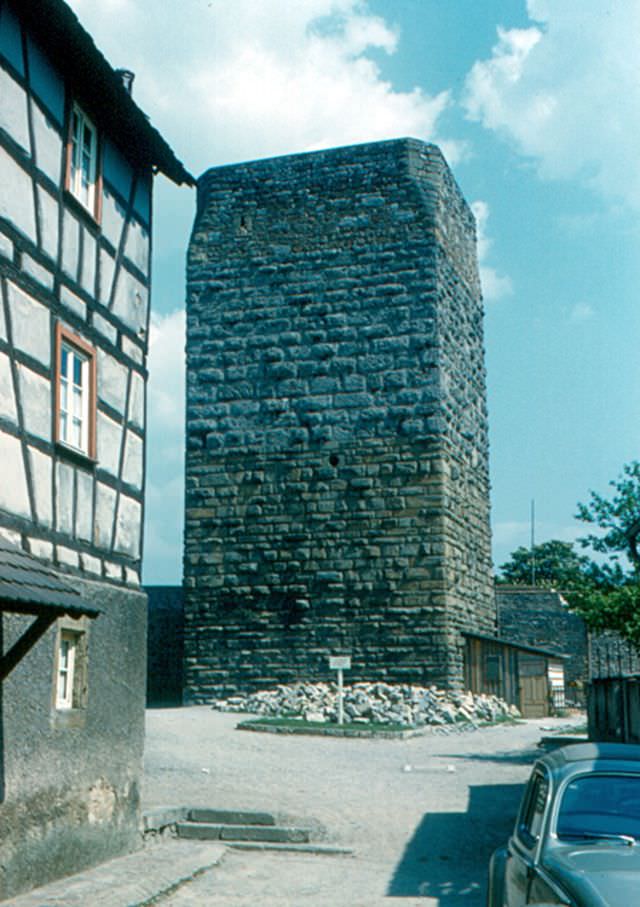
<point x="517" y="757"/>
<point x="448" y="855"/>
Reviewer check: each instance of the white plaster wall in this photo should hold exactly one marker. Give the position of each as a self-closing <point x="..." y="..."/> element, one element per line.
<point x="130" y="301"/>
<point x="70" y="244"/>
<point x="105" y="511"/>
<point x="30" y="324"/>
<point x="16" y="197"/>
<point x="112" y="381"/>
<point x="136" y="400"/>
<point x="35" y="396"/>
<point x="64" y="498"/>
<point x="49" y="225"/>
<point x="41" y="477"/>
<point x="3" y="329"/>
<point x="73" y="302"/>
<point x="6" y="250"/>
<point x="109" y="440"/>
<point x="88" y="273"/>
<point x="7" y="396"/>
<point x="137" y="246"/>
<point x="48" y="150"/>
<point x="107" y="268"/>
<point x="133" y="460"/>
<point x="13" y="487"/>
<point x="128" y="526"/>
<point x="84" y="508"/>
<point x="105" y="327"/>
<point x="13" y="110"/>
<point x="113" y="218"/>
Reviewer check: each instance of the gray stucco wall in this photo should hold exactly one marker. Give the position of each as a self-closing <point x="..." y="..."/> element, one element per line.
<point x="71" y="782"/>
<point x="337" y="454"/>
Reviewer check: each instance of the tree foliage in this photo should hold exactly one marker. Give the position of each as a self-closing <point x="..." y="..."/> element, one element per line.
<point x="553" y="563"/>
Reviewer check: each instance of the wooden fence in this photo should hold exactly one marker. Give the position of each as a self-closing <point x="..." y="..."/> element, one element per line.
<point x="613" y="709"/>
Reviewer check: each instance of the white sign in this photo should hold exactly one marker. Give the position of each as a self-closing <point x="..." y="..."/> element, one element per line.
<point x="340" y="662"/>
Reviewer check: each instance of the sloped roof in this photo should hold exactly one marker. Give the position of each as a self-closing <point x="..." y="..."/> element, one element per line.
<point x="31" y="586"/>
<point x="60" y="34"/>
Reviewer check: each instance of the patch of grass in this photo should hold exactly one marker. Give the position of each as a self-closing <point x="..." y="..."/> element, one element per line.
<point x="347" y="726"/>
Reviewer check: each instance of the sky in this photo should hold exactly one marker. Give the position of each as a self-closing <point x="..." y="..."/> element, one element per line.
<point x="536" y="106"/>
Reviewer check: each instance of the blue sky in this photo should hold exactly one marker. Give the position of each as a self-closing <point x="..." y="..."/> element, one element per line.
<point x="536" y="106"/>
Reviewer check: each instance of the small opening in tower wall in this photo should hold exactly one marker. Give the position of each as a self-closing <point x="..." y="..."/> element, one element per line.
<point x="334" y="459"/>
<point x="244" y="223"/>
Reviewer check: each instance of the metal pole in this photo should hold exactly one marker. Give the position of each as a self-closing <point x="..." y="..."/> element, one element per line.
<point x="533" y="542"/>
<point x="340" y="703"/>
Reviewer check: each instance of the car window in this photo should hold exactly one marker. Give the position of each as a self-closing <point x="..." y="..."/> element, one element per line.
<point x="600" y="804"/>
<point x="533" y="814"/>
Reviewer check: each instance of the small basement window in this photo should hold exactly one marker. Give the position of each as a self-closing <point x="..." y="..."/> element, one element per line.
<point x="71" y="667"/>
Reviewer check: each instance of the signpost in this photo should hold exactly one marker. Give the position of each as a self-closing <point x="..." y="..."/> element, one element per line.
<point x="340" y="663"/>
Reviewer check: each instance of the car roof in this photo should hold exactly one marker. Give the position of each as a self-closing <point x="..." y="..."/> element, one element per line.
<point x="590" y="752"/>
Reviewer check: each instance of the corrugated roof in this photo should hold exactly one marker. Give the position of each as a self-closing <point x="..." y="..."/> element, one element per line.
<point x="514" y="645"/>
<point x="74" y="53"/>
<point x="31" y="586"/>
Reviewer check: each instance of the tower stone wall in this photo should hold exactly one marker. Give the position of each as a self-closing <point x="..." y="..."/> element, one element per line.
<point x="337" y="491"/>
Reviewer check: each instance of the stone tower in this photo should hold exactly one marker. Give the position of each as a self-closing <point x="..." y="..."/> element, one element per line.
<point x="337" y="489"/>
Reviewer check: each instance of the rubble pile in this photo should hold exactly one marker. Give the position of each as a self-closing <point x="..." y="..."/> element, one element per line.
<point x="383" y="703"/>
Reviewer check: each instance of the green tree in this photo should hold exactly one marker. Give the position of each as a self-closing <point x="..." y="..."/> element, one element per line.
<point x="552" y="563"/>
<point x="611" y="601"/>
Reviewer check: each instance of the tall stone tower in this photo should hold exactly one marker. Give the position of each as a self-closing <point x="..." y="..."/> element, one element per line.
<point x="337" y="491"/>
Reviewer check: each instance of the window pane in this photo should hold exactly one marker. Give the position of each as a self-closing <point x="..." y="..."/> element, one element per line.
<point x="64" y="361"/>
<point x="77" y="370"/>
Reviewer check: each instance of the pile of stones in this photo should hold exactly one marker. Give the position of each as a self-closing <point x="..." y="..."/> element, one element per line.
<point x="383" y="703"/>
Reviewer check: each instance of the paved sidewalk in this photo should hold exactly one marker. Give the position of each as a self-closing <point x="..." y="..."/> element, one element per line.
<point x="132" y="881"/>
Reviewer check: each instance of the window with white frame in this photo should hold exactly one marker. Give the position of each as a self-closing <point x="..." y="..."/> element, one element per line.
<point x="83" y="159"/>
<point x="66" y="669"/>
<point x="75" y="392"/>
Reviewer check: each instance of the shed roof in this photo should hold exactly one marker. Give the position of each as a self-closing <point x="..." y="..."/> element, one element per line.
<point x="533" y="650"/>
<point x="31" y="586"/>
<point x="60" y="34"/>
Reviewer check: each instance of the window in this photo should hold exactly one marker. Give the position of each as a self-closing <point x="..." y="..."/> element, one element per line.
<point x="75" y="392"/>
<point x="533" y="813"/>
<point x="82" y="160"/>
<point x="66" y="669"/>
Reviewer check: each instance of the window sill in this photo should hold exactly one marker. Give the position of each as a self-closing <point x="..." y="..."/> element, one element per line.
<point x="90" y="217"/>
<point x="69" y="718"/>
<point x="79" y="457"/>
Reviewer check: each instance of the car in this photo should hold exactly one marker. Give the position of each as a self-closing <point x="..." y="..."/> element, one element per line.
<point x="576" y="840"/>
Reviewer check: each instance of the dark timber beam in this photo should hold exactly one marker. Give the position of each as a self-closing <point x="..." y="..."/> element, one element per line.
<point x="26" y="642"/>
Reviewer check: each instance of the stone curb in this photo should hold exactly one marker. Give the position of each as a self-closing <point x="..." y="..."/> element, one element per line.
<point x="322" y="850"/>
<point x="136" y="880"/>
<point x="336" y="731"/>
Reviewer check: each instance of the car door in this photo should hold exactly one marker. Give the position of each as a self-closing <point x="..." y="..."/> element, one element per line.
<point x="523" y="845"/>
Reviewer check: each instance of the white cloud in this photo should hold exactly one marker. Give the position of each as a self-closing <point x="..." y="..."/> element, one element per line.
<point x="581" y="312"/>
<point x="230" y="81"/>
<point x="566" y="92"/>
<point x="494" y="284"/>
<point x="166" y="378"/>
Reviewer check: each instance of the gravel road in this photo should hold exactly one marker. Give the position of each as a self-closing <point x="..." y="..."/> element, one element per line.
<point x="422" y="815"/>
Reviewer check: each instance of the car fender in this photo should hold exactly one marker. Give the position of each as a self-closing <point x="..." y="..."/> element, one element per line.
<point x="495" y="887"/>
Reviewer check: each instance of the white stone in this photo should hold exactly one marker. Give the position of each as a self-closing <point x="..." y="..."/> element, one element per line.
<point x="105" y="327"/>
<point x="112" y="381"/>
<point x="109" y="443"/>
<point x="136" y="400"/>
<point x="6" y="250"/>
<point x="113" y="218"/>
<point x="35" y="397"/>
<point x="132" y="350"/>
<point x="107" y="269"/>
<point x="13" y="488"/>
<point x="48" y="150"/>
<point x="30" y="323"/>
<point x="39" y="273"/>
<point x="16" y="198"/>
<point x="73" y="302"/>
<point x="133" y="461"/>
<point x="84" y="505"/>
<point x="67" y="556"/>
<point x="7" y="396"/>
<point x="13" y="110"/>
<point x="128" y="526"/>
<point x="49" y="223"/>
<point x="105" y="511"/>
<point x="136" y="247"/>
<point x="41" y="548"/>
<point x="64" y="498"/>
<point x="112" y="571"/>
<point x="130" y="301"/>
<point x="41" y="478"/>
<point x="9" y="535"/>
<point x="70" y="244"/>
<point x="88" y="275"/>
<point x="91" y="564"/>
<point x="132" y="577"/>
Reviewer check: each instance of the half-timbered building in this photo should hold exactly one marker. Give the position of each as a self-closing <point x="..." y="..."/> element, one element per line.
<point x="77" y="158"/>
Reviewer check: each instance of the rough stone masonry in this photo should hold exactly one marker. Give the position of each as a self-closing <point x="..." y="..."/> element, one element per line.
<point x="337" y="491"/>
